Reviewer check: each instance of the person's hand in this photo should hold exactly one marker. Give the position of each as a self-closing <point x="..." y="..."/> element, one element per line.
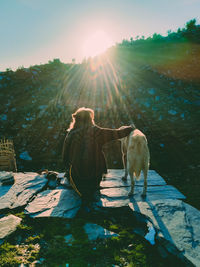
<point x="123" y="127"/>
<point x="127" y="126"/>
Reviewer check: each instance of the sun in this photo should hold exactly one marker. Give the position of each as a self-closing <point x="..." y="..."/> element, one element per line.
<point x="96" y="44"/>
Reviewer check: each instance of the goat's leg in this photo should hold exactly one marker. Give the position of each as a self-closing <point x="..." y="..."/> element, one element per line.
<point x="124" y="160"/>
<point x="130" y="172"/>
<point x="132" y="184"/>
<point x="145" y="171"/>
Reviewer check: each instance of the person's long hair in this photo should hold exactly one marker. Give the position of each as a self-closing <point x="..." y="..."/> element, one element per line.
<point x="83" y="117"/>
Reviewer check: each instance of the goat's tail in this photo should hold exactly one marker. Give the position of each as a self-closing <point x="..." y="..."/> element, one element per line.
<point x="137" y="174"/>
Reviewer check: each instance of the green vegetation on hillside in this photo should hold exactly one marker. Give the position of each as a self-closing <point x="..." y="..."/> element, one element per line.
<point x="190" y="33"/>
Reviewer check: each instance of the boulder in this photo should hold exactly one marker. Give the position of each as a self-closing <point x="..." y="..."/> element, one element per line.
<point x="25" y="187"/>
<point x="8" y="225"/>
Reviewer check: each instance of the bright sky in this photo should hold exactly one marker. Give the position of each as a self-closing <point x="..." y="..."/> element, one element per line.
<point x="36" y="31"/>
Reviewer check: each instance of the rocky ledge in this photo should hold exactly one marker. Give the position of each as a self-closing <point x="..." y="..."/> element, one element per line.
<point x="172" y="222"/>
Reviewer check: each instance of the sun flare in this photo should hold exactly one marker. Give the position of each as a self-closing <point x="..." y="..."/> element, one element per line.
<point x="96" y="44"/>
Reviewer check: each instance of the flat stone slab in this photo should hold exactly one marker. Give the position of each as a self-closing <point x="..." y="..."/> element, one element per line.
<point x="3" y="190"/>
<point x="153" y="193"/>
<point x="54" y="203"/>
<point x="8" y="225"/>
<point x="114" y="192"/>
<point x="6" y="178"/>
<point x="114" y="179"/>
<point x="25" y="187"/>
<point x="176" y="222"/>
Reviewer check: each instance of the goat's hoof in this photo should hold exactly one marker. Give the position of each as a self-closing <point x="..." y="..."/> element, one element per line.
<point x="124" y="179"/>
<point x="143" y="195"/>
<point x="130" y="194"/>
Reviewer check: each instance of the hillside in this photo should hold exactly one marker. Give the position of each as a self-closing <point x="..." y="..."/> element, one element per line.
<point x="153" y="83"/>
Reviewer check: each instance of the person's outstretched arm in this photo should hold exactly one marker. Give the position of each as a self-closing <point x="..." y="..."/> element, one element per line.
<point x="106" y="134"/>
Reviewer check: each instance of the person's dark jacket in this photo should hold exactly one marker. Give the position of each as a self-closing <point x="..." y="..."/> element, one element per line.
<point x="99" y="136"/>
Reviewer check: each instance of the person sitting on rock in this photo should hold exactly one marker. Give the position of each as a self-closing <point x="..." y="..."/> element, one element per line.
<point x="82" y="151"/>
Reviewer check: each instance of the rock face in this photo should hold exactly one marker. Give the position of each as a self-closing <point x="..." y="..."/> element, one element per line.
<point x="25" y="187"/>
<point x="8" y="224"/>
